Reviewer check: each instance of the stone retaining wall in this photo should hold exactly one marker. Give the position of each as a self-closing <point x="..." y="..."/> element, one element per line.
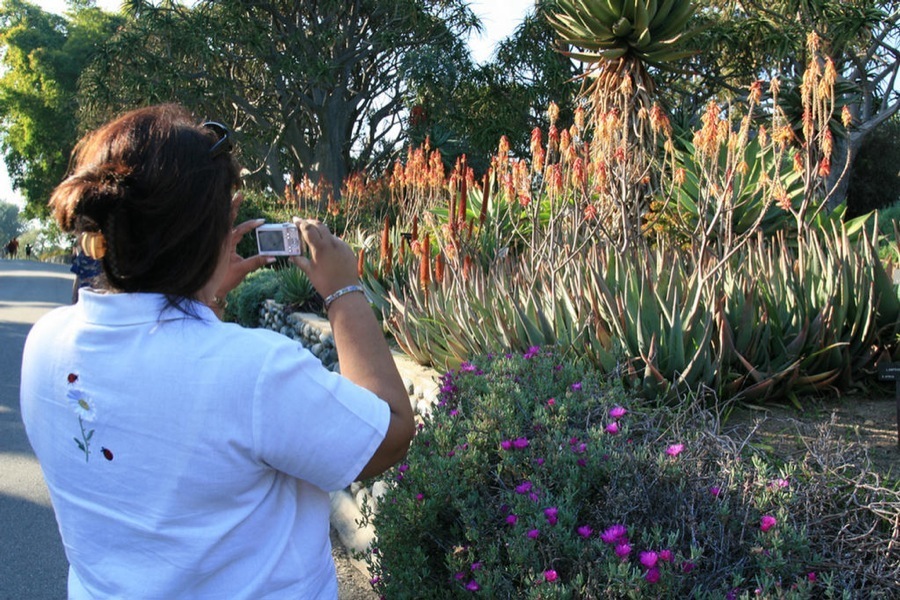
<point x="314" y="332"/>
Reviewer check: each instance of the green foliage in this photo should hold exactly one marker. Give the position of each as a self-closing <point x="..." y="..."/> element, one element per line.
<point x="295" y="288"/>
<point x="769" y="321"/>
<point x="10" y="225"/>
<point x="43" y="56"/>
<point x="245" y="300"/>
<point x="516" y="481"/>
<point x="306" y="83"/>
<point x="875" y="179"/>
<point x="650" y="31"/>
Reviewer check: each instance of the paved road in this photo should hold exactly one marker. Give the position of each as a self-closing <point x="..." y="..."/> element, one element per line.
<point x="32" y="563"/>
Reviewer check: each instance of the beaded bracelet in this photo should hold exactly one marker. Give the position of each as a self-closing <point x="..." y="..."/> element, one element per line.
<point x="345" y="290"/>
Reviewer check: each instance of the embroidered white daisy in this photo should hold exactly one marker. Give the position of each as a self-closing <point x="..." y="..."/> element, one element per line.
<point x="83" y="406"/>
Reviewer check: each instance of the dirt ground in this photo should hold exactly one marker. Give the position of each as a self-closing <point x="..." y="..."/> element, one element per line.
<point x="867" y="421"/>
<point x="352" y="583"/>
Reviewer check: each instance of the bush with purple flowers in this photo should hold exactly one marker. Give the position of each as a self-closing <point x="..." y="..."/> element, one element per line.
<point x="517" y="487"/>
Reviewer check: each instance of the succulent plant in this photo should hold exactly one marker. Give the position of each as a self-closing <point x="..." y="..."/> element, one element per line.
<point x="652" y="31"/>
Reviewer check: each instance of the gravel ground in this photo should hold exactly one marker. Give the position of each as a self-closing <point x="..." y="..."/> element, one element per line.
<point x="352" y="583"/>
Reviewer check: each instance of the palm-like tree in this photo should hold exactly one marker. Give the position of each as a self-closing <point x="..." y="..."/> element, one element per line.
<point x="620" y="40"/>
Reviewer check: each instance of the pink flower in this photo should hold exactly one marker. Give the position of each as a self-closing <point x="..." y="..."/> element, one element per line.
<point x="652" y="576"/>
<point x="539" y="462"/>
<point x="550" y="576"/>
<point x="612" y="428"/>
<point x="533" y="533"/>
<point x="473" y="586"/>
<point x="523" y="488"/>
<point x="403" y="468"/>
<point x="767" y="522"/>
<point x="811" y="576"/>
<point x="715" y="491"/>
<point x="649" y="558"/>
<point x="551" y="401"/>
<point x="512" y="519"/>
<point x="420" y="497"/>
<point x="576" y="386"/>
<point x="477" y="565"/>
<point x="551" y="514"/>
<point x="585" y="531"/>
<point x="617" y="412"/>
<point x="615" y="534"/>
<point x="520" y="443"/>
<point x="665" y="555"/>
<point x="623" y="550"/>
<point x="687" y="567"/>
<point x="674" y="449"/>
<point x="506" y="444"/>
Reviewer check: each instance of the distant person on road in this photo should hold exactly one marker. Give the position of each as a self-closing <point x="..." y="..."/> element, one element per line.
<point x="12" y="248"/>
<point x="28" y="251"/>
<point x="187" y="457"/>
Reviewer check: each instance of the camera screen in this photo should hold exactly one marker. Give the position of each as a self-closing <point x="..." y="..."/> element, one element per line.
<point x="271" y="241"/>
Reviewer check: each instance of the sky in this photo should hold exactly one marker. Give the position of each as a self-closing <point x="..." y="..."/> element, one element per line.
<point x="499" y="19"/>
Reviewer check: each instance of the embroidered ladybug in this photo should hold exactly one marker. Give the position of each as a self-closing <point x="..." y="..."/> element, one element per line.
<point x="72" y="377"/>
<point x="107" y="453"/>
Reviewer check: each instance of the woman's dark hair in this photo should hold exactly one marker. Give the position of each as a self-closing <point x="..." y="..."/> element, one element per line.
<point x="148" y="182"/>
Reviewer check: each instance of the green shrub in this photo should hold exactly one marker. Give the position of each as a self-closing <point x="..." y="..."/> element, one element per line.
<point x="245" y="300"/>
<point x="535" y="478"/>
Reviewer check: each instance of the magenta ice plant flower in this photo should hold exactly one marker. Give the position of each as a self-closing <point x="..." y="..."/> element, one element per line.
<point x="551" y="401"/>
<point x="520" y="443"/>
<point x="506" y="444"/>
<point x="524" y="487"/>
<point x="649" y="558"/>
<point x="576" y="386"/>
<point x="533" y="533"/>
<point x="615" y="534"/>
<point x="715" y="491"/>
<point x="617" y="412"/>
<point x="551" y="513"/>
<point x="665" y="555"/>
<point x="623" y="550"/>
<point x="585" y="531"/>
<point x="652" y="575"/>
<point x="512" y="519"/>
<point x="675" y="449"/>
<point x="767" y="522"/>
<point x="612" y="428"/>
<point x="550" y="576"/>
<point x="477" y="565"/>
<point x="473" y="586"/>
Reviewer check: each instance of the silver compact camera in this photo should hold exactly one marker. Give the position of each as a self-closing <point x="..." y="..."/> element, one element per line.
<point x="279" y="239"/>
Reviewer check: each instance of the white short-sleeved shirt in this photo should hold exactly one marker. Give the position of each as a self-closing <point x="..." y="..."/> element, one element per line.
<point x="189" y="458"/>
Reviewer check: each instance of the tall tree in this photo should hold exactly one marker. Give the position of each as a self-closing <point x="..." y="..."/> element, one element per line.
<point x="311" y="88"/>
<point x="467" y="111"/>
<point x="43" y="55"/>
<point x="10" y="225"/>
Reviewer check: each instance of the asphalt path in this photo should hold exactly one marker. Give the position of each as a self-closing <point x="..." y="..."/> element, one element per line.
<point x="32" y="563"/>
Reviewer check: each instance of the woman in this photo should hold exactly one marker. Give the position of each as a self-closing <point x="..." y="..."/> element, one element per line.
<point x="186" y="457"/>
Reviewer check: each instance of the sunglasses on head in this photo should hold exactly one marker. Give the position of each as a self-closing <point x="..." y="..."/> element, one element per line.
<point x="223" y="145"/>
